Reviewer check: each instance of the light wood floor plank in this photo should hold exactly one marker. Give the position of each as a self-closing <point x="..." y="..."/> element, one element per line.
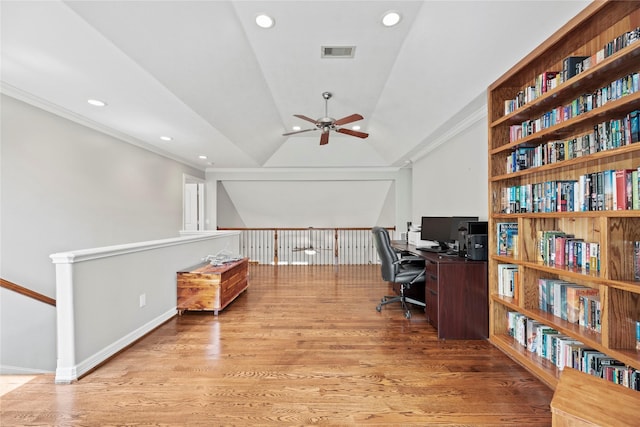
<point x="302" y="346"/>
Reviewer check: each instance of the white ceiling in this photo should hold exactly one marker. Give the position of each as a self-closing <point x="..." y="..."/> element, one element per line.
<point x="203" y="73"/>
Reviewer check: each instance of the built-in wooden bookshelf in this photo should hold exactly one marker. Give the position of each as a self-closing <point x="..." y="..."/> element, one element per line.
<point x="613" y="231"/>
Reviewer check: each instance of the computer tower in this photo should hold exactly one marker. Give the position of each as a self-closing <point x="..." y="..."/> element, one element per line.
<point x="477" y="247"/>
<point x="466" y="229"/>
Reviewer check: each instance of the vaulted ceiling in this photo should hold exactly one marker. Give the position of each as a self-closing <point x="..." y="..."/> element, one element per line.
<point x="204" y="74"/>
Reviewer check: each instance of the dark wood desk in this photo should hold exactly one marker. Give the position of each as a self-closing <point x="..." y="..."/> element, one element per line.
<point x="456" y="294"/>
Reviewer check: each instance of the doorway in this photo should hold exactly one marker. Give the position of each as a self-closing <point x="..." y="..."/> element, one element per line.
<point x="193" y="203"/>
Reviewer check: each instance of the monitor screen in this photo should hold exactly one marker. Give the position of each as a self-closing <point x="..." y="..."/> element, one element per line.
<point x="442" y="229"/>
<point x="436" y="228"/>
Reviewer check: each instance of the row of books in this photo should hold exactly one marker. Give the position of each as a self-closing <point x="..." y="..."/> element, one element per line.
<point x="571" y="66"/>
<point x="609" y="49"/>
<point x="559" y="249"/>
<point x="584" y="103"/>
<point x="507" y="238"/>
<point x="571" y="302"/>
<point x="543" y="83"/>
<point x="565" y="351"/>
<point x="507" y="280"/>
<point x="598" y="191"/>
<point x="605" y="136"/>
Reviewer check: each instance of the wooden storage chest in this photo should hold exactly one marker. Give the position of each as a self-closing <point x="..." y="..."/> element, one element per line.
<point x="208" y="287"/>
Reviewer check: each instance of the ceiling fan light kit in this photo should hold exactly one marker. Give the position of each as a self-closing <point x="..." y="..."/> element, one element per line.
<point x="327" y="124"/>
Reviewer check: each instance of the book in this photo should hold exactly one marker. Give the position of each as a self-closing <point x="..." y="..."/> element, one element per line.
<point x="572" y="66"/>
<point x="636" y="261"/>
<point x="635" y="201"/>
<point x="505" y="237"/>
<point x="573" y="301"/>
<point x="622" y="188"/>
<point x="507" y="277"/>
<point x="634" y="126"/>
<point x="547" y="245"/>
<point x="637" y="334"/>
<point x="560" y="298"/>
<point x="541" y="338"/>
<point x="532" y="330"/>
<point x="589" y="312"/>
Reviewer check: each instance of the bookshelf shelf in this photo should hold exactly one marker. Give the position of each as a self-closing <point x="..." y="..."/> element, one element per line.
<point x="583" y="214"/>
<point x="607" y="233"/>
<point x="590" y="160"/>
<point x="542" y="368"/>
<point x="577" y="124"/>
<point x="620" y="62"/>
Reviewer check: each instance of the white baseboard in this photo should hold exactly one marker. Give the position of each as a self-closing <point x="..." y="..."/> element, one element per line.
<point x="68" y="374"/>
<point x="18" y="370"/>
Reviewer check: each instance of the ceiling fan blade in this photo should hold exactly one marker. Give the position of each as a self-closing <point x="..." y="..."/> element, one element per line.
<point x="300" y="116"/>
<point x="298" y="131"/>
<point x="348" y="119"/>
<point x="353" y="133"/>
<point x="324" y="138"/>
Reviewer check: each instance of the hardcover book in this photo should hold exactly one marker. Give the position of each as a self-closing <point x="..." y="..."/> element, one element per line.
<point x="571" y="66"/>
<point x="505" y="237"/>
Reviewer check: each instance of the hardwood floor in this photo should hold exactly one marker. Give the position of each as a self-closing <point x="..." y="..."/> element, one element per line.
<point x="302" y="346"/>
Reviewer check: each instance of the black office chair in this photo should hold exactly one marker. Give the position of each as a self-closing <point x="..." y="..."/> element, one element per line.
<point x="396" y="269"/>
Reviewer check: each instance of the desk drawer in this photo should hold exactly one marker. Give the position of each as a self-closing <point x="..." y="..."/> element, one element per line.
<point x="431" y="297"/>
<point x="431" y="275"/>
<point x="431" y="268"/>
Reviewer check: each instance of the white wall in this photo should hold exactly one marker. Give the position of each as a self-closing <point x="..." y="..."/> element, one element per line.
<point x="65" y="187"/>
<point x="310" y="198"/>
<point x="451" y="178"/>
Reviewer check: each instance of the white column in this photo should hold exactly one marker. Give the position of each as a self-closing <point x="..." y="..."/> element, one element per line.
<point x="66" y="365"/>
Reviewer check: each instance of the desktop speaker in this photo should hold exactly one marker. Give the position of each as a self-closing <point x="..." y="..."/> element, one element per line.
<point x="477" y="247"/>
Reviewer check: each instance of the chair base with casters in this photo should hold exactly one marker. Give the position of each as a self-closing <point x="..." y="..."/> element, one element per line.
<point x="404" y="300"/>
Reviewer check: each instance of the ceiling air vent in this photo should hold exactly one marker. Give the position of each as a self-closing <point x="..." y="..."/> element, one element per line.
<point x="338" y="51"/>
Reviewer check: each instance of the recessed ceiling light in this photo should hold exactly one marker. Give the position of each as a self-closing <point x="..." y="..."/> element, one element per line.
<point x="202" y="157"/>
<point x="355" y="127"/>
<point x="390" y="19"/>
<point x="265" y="21"/>
<point x="96" y="102"/>
<point x="296" y="128"/>
<point x="166" y="138"/>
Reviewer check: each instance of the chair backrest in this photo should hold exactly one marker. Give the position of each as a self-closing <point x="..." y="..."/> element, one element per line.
<point x="388" y="256"/>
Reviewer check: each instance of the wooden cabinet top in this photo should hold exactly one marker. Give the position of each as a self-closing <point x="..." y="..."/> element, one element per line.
<point x="205" y="267"/>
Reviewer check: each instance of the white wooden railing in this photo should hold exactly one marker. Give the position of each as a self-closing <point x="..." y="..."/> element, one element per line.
<point x="308" y="246"/>
<point x="109" y="297"/>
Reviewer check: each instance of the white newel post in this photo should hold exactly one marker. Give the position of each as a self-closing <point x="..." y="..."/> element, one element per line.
<point x="66" y="365"/>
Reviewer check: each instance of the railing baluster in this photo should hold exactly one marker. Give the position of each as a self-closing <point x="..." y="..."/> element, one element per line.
<point x="334" y="246"/>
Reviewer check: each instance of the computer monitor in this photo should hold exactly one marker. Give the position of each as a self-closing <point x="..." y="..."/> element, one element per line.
<point x="437" y="229"/>
<point x="443" y="229"/>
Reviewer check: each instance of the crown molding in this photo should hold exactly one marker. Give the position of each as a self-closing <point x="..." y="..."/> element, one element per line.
<point x="59" y="111"/>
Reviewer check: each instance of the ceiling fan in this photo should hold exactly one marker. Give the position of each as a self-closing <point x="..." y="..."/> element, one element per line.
<point x="310" y="249"/>
<point x="327" y="124"/>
